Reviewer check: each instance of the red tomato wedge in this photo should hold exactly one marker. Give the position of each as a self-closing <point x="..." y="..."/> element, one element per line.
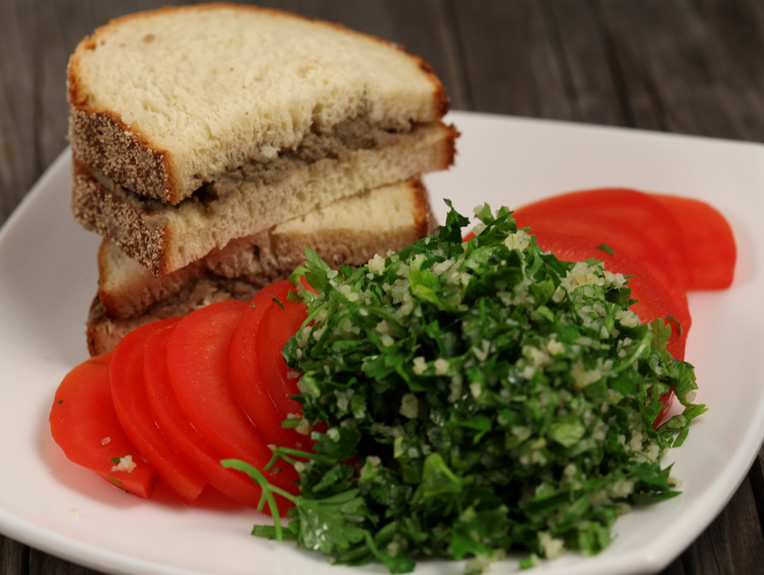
<point x="185" y="439"/>
<point x="279" y="325"/>
<point x="629" y="207"/>
<point x="245" y="360"/>
<point x="713" y="251"/>
<point x="131" y="404"/>
<point x="197" y="361"/>
<point x="84" y="424"/>
<point x="654" y="301"/>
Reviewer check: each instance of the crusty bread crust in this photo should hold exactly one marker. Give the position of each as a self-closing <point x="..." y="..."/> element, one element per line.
<point x="388" y="218"/>
<point x="135" y="289"/>
<point x="162" y="239"/>
<point x="100" y="210"/>
<point x="424" y="217"/>
<point x="103" y="140"/>
<point x="103" y="334"/>
<point x="242" y="268"/>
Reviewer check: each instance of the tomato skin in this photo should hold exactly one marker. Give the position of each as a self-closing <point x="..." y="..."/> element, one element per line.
<point x="654" y="301"/>
<point x="279" y="325"/>
<point x="245" y="358"/>
<point x="667" y="399"/>
<point x="623" y="239"/>
<point x="84" y="424"/>
<point x="711" y="243"/>
<point x="197" y="361"/>
<point x="186" y="440"/>
<point x="625" y="206"/>
<point x="134" y="413"/>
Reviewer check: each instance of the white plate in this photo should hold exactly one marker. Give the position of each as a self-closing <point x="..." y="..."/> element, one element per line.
<point x="48" y="277"/>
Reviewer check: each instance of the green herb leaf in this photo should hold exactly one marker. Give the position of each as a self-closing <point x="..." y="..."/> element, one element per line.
<point x="606" y="248"/>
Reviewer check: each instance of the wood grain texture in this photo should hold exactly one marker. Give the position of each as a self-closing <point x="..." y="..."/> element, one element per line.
<point x="14" y="557"/>
<point x="18" y="162"/>
<point x="684" y="66"/>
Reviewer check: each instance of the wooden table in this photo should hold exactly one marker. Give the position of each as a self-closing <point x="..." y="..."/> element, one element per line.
<point x="685" y="66"/>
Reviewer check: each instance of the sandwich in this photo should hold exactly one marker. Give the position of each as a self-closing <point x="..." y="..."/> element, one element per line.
<point x="350" y="232"/>
<point x="212" y="144"/>
<point x="194" y="126"/>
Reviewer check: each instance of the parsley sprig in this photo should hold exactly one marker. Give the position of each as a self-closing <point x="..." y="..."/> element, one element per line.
<point x="478" y="398"/>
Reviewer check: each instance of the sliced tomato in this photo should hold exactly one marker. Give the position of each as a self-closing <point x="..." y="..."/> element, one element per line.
<point x="653" y="300"/>
<point x="280" y="323"/>
<point x="622" y="238"/>
<point x="197" y="361"/>
<point x="184" y="438"/>
<point x="246" y="356"/>
<point x="636" y="209"/>
<point x="131" y="405"/>
<point x="667" y="399"/>
<point x="84" y="424"/>
<point x="711" y="243"/>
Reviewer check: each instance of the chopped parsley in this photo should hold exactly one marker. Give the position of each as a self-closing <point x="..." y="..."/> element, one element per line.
<point x="606" y="248"/>
<point x="479" y="398"/>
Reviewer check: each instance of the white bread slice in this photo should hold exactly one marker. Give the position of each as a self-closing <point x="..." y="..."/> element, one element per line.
<point x="164" y="101"/>
<point x="346" y="231"/>
<point x="350" y="232"/>
<point x="166" y="238"/>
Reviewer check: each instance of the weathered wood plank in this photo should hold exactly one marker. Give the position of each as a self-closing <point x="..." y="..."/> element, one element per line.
<point x="18" y="165"/>
<point x="756" y="477"/>
<point x="733" y="543"/>
<point x="14" y="557"/>
<point x="681" y="72"/>
<point x="43" y="564"/>
<point x="510" y="63"/>
<point x="583" y="48"/>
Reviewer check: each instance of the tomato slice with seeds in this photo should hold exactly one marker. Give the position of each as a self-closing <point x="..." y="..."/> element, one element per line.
<point x="131" y="405"/>
<point x="184" y="438"/>
<point x="197" y="361"/>
<point x="84" y="424"/>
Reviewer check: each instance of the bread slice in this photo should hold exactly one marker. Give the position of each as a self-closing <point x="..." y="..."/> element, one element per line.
<point x="165" y="101"/>
<point x="103" y="334"/>
<point x="351" y="232"/>
<point x="166" y="238"/>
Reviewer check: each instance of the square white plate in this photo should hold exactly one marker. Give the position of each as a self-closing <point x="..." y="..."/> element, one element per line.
<point x="48" y="277"/>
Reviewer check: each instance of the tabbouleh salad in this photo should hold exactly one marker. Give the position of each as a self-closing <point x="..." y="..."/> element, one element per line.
<point x="479" y="398"/>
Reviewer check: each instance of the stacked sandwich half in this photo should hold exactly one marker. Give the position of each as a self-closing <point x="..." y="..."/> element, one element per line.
<point x="212" y="144"/>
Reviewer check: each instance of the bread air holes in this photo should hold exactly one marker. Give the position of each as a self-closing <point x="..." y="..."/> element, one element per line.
<point x="306" y="70"/>
<point x="316" y="114"/>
